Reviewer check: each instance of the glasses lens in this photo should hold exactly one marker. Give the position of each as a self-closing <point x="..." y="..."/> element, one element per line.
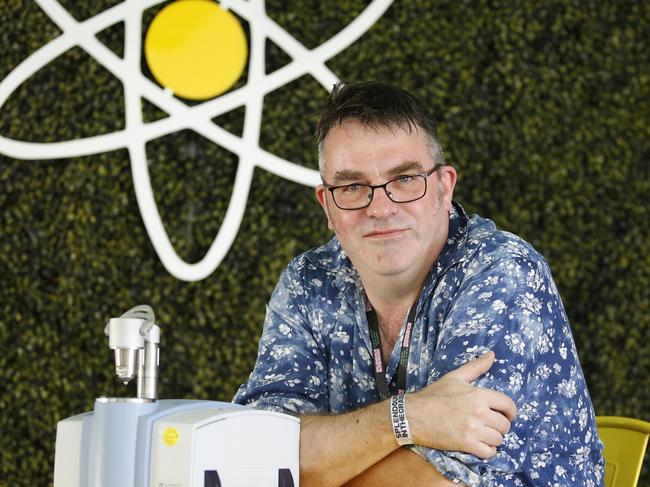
<point x="406" y="188"/>
<point x="353" y="196"/>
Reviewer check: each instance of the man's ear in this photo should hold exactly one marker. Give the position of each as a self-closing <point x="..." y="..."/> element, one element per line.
<point x="448" y="177"/>
<point x="321" y="196"/>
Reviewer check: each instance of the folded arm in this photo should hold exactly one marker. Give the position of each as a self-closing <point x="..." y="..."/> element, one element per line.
<point x="360" y="446"/>
<point x="402" y="467"/>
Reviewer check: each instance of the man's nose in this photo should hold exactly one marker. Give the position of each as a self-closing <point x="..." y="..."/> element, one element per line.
<point x="381" y="205"/>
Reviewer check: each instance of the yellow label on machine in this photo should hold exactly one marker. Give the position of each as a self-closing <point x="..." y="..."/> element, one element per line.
<point x="170" y="436"/>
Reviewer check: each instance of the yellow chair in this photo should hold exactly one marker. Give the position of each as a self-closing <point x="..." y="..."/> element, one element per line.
<point x="625" y="441"/>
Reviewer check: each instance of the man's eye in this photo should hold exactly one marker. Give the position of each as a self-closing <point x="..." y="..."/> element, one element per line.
<point x="353" y="188"/>
<point x="406" y="179"/>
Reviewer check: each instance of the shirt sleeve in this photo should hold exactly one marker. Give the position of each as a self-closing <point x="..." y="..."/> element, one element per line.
<point x="290" y="373"/>
<point x="513" y="308"/>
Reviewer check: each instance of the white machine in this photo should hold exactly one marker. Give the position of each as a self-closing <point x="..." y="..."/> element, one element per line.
<point x="146" y="442"/>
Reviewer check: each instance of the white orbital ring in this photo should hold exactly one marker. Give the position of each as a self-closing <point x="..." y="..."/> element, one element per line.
<point x="181" y="116"/>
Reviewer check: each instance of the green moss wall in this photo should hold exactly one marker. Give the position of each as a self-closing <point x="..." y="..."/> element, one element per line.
<point x="543" y="107"/>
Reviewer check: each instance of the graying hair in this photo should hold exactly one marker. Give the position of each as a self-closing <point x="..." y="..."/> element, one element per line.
<point x="375" y="104"/>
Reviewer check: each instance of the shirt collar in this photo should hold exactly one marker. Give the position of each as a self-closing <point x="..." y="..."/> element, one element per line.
<point x="332" y="258"/>
<point x="453" y="251"/>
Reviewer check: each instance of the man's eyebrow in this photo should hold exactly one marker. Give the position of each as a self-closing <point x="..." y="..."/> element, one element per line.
<point x="406" y="167"/>
<point x="347" y="175"/>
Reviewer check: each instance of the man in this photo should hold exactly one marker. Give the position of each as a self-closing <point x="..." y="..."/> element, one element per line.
<point x="413" y="296"/>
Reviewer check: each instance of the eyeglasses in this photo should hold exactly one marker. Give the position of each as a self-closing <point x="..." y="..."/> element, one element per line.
<point x="402" y="189"/>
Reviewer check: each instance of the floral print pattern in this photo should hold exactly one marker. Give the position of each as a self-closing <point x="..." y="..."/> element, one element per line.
<point x="489" y="290"/>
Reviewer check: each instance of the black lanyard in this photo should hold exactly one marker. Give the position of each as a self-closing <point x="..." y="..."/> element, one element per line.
<point x="378" y="361"/>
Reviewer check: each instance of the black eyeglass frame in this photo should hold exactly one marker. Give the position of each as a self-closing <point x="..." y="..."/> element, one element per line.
<point x="424" y="176"/>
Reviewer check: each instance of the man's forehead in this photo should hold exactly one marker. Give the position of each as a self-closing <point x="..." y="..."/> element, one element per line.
<point x="354" y="136"/>
<point x="402" y="150"/>
<point x="396" y="127"/>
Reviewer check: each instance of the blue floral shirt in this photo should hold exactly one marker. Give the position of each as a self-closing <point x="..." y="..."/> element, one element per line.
<point x="489" y="290"/>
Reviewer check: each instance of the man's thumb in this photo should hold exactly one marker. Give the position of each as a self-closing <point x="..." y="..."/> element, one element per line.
<point x="473" y="369"/>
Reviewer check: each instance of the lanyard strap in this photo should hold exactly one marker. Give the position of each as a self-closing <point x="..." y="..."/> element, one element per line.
<point x="378" y="361"/>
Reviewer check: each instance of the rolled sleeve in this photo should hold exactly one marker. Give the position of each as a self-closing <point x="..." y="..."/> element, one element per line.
<point x="290" y="372"/>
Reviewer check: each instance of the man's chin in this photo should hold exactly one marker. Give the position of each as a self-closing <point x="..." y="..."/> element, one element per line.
<point x="377" y="267"/>
<point x="389" y="269"/>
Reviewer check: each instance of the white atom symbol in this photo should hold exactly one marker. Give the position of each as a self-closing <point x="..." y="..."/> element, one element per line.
<point x="197" y="118"/>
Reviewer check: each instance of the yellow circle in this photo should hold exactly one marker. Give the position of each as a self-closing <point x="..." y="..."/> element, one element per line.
<point x="170" y="436"/>
<point x="196" y="49"/>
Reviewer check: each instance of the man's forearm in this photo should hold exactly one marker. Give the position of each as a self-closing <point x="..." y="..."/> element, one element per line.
<point x="402" y="467"/>
<point x="449" y="414"/>
<point x="337" y="448"/>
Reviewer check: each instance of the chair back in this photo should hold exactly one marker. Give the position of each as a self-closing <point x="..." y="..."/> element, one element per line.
<point x="625" y="441"/>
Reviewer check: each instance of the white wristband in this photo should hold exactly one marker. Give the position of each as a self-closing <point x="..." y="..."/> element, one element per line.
<point x="398" y="418"/>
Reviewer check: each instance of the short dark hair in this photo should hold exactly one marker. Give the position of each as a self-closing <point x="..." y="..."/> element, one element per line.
<point x="375" y="104"/>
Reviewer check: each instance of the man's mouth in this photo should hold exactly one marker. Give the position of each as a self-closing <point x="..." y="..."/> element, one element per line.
<point x="392" y="232"/>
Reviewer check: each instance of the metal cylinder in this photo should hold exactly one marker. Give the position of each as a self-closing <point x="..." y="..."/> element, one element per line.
<point x="126" y="361"/>
<point x="148" y="371"/>
<point x="124" y="337"/>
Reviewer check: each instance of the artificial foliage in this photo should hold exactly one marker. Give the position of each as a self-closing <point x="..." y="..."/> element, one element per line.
<point x="543" y="107"/>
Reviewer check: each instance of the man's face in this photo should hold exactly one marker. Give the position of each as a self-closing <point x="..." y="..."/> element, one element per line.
<point x="386" y="238"/>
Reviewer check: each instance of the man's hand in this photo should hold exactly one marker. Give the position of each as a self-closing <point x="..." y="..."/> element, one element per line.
<point x="451" y="414"/>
